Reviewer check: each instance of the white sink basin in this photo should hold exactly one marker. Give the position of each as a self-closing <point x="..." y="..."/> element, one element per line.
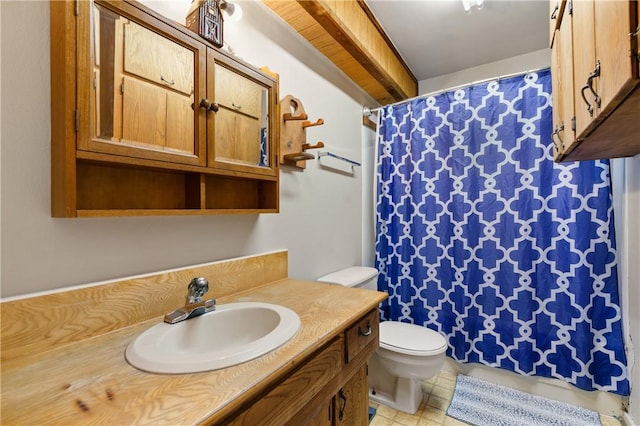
<point x="232" y="334"/>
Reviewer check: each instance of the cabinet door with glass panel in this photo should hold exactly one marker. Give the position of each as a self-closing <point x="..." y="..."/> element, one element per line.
<point x="146" y="84"/>
<point x="241" y="130"/>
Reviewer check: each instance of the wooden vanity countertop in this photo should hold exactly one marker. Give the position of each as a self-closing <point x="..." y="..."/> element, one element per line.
<point x="90" y="382"/>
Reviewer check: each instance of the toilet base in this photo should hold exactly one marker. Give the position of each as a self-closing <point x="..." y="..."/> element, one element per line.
<point x="407" y="395"/>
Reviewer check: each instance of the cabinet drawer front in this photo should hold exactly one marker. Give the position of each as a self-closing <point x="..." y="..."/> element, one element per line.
<point x="286" y="399"/>
<point x="238" y="93"/>
<point x="146" y="53"/>
<point x="361" y="334"/>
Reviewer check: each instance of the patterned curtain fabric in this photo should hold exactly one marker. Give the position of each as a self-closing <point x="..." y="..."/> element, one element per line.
<point x="483" y="238"/>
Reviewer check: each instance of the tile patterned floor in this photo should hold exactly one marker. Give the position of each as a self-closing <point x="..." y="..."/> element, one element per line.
<point x="438" y="392"/>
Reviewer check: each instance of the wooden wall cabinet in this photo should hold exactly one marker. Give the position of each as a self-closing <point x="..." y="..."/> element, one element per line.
<point x="595" y="80"/>
<point x="135" y="129"/>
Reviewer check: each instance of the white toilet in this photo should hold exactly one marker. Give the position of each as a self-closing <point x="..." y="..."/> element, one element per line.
<point x="408" y="353"/>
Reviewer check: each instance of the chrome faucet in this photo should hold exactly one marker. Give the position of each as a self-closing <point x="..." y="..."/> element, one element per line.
<point x="194" y="305"/>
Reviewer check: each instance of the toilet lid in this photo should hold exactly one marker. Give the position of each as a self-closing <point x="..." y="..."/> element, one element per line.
<point x="411" y="339"/>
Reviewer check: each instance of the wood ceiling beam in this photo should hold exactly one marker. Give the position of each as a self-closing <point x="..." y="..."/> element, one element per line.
<point x="347" y="33"/>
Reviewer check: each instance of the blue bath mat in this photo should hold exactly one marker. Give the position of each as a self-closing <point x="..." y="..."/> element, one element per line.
<point x="481" y="403"/>
<point x="372" y="413"/>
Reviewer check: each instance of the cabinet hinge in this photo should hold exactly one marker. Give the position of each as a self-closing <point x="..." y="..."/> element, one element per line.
<point x="77" y="8"/>
<point x="77" y="120"/>
<point x="573" y="123"/>
<point x="570" y="4"/>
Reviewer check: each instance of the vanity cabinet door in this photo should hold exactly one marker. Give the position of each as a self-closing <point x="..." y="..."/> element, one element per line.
<point x="348" y="407"/>
<point x="146" y="85"/>
<point x="324" y="417"/>
<point x="241" y="131"/>
<point x="351" y="404"/>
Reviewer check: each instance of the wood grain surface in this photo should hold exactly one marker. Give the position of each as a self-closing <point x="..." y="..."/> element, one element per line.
<point x="63" y="354"/>
<point x="36" y="324"/>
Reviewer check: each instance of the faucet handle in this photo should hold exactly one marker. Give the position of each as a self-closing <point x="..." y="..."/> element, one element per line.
<point x="196" y="289"/>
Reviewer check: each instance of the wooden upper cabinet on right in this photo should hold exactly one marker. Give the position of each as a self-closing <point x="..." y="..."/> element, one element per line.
<point x="562" y="84"/>
<point x="596" y="41"/>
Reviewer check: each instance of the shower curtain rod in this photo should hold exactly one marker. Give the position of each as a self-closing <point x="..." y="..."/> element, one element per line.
<point x="368" y="111"/>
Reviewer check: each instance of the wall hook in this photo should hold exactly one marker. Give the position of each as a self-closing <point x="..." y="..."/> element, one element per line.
<point x="287" y="116"/>
<point x="318" y="122"/>
<point x="306" y="146"/>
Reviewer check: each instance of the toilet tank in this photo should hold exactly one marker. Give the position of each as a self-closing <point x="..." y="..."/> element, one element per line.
<point x="354" y="276"/>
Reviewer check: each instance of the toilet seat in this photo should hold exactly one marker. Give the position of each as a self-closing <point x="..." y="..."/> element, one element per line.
<point x="411" y="339"/>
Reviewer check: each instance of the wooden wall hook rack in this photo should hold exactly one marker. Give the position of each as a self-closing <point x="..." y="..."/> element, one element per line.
<point x="293" y="135"/>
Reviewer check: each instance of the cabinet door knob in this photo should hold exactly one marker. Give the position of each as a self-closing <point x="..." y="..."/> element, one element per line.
<point x="208" y="105"/>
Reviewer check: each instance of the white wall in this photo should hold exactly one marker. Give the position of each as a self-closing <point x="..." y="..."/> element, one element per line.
<point x="368" y="218"/>
<point x="321" y="209"/>
<point x="517" y="64"/>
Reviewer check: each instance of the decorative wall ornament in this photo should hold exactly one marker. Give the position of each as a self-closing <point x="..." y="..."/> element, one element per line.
<point x="205" y="18"/>
<point x="483" y="238"/>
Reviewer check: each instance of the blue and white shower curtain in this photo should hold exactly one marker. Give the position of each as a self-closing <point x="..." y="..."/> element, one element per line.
<point x="483" y="238"/>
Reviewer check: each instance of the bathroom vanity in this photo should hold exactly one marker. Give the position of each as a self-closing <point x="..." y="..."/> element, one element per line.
<point x="63" y="353"/>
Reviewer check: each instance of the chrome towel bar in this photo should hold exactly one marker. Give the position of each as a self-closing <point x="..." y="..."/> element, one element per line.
<point x="339" y="157"/>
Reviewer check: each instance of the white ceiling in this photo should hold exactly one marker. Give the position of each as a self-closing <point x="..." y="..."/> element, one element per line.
<point x="436" y="37"/>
